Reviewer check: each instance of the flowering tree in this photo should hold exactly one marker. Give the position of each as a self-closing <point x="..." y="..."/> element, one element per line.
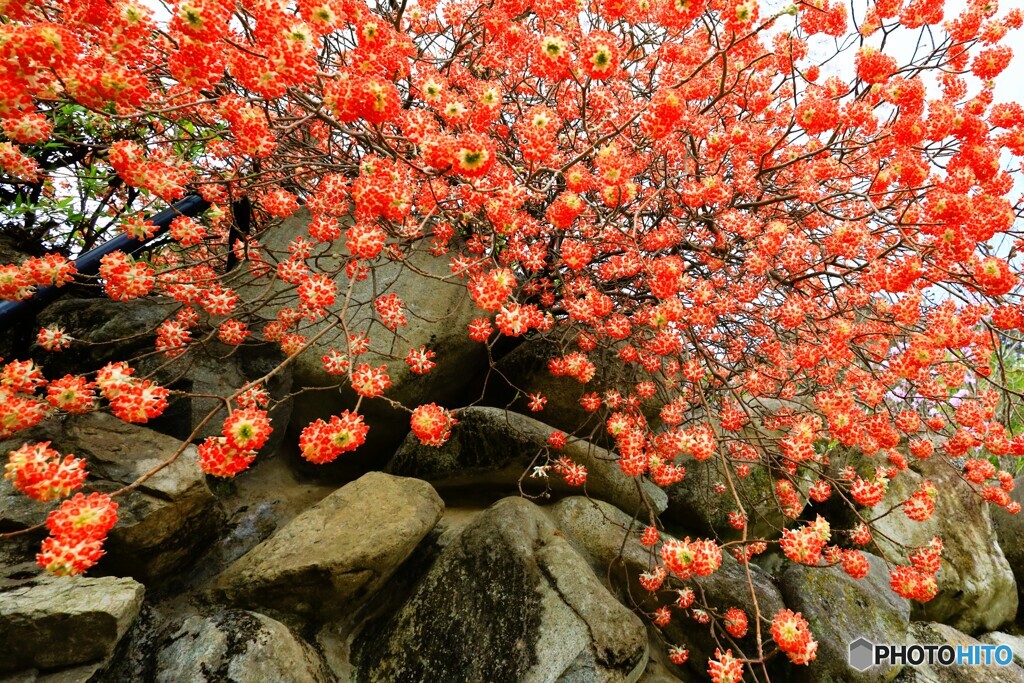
<point x="793" y="230"/>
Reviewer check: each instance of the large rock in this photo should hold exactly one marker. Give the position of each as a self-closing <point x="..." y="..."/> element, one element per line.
<point x="839" y="609"/>
<point x="330" y="558"/>
<point x="52" y="623"/>
<point x="524" y="371"/>
<point x="492" y="447"/>
<point x="437" y="308"/>
<point x="941" y="634"/>
<point x="106" y="330"/>
<point x="241" y="647"/>
<point x="1010" y="533"/>
<point x="977" y="591"/>
<point x="694" y="505"/>
<point x="116" y="330"/>
<point x="162" y="522"/>
<point x="1015" y="643"/>
<point x="610" y="539"/>
<point x="509" y="600"/>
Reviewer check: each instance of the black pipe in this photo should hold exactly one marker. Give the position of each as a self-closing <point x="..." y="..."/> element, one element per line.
<point x="88" y="263"/>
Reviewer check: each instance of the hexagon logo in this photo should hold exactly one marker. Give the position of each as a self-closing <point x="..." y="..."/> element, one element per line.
<point x="862" y="654"/>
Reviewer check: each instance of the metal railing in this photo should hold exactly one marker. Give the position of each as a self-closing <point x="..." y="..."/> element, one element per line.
<point x="13" y="312"/>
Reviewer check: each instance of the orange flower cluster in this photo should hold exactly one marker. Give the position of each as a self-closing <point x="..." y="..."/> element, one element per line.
<point x="917" y="581"/>
<point x="19" y="282"/>
<point x="322" y="442"/>
<point x="791" y="633"/>
<point x="432" y="424"/>
<point x="724" y="668"/>
<point x="688" y="558"/>
<point x="805" y="545"/>
<point x="704" y="223"/>
<point x="42" y="473"/>
<point x="78" y="529"/>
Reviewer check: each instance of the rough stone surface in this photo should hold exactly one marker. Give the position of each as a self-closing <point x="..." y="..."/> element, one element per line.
<point x="219" y="370"/>
<point x="693" y="505"/>
<point x="119" y="330"/>
<point x="941" y="634"/>
<point x="1015" y="643"/>
<point x="508" y="601"/>
<point x="977" y="591"/>
<point x="437" y="309"/>
<point x="93" y="672"/>
<point x="839" y="609"/>
<point x="112" y="330"/>
<point x="332" y="556"/>
<point x="162" y="522"/>
<point x="494" y="447"/>
<point x="17" y="511"/>
<point x="240" y="647"/>
<point x="524" y="370"/>
<point x="1010" y="533"/>
<point x="611" y="539"/>
<point x="52" y="623"/>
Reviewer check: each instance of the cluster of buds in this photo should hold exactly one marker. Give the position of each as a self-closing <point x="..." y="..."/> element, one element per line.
<point x="917" y="581"/>
<point x="19" y="282"/>
<point x="805" y="545"/>
<point x="574" y="474"/>
<point x="688" y="558"/>
<point x="724" y="668"/>
<point x="43" y="474"/>
<point x="245" y="431"/>
<point x="920" y="506"/>
<point x="78" y="529"/>
<point x="869" y="493"/>
<point x="131" y="400"/>
<point x="432" y="424"/>
<point x="322" y="442"/>
<point x="79" y="526"/>
<point x="791" y="633"/>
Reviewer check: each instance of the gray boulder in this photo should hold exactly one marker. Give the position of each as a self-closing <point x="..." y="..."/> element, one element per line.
<point x="56" y="622"/>
<point x="240" y="647"/>
<point x="492" y="447"/>
<point x="330" y="558"/>
<point x="1010" y="532"/>
<point x="524" y="370"/>
<point x="437" y="308"/>
<point x="107" y="330"/>
<point x="611" y="541"/>
<point x="977" y="591"/>
<point x="509" y="600"/>
<point x="161" y="523"/>
<point x="117" y="330"/>
<point x="693" y="505"/>
<point x="840" y="609"/>
<point x="941" y="634"/>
